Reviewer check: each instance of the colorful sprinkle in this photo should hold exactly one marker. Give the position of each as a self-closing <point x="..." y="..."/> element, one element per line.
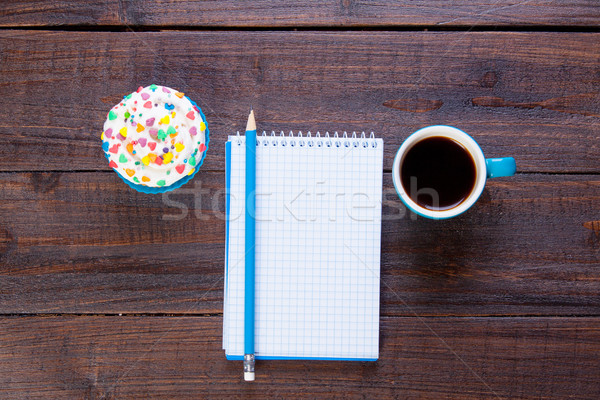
<point x="150" y="122"/>
<point x="161" y="182"/>
<point x="153" y="87"/>
<point x="192" y="161"/>
<point x="140" y="127"/>
<point x="145" y="96"/>
<point x="127" y="115"/>
<point x="152" y="157"/>
<point x="115" y="148"/>
<point x="193" y="131"/>
<point x="145" y="179"/>
<point x="191" y="115"/>
<point x="161" y="134"/>
<point x="148" y="104"/>
<point x="171" y="131"/>
<point x="136" y="180"/>
<point x="112" y="115"/>
<point x="191" y="171"/>
<point x="123" y="132"/>
<point x="142" y="142"/>
<point x="146" y="160"/>
<point x="179" y="94"/>
<point x="167" y="157"/>
<point x="169" y="106"/>
<point x="108" y="133"/>
<point x="158" y="161"/>
<point x="105" y="146"/>
<point x="180" y="168"/>
<point x="202" y="126"/>
<point x="152" y="145"/>
<point x="113" y="164"/>
<point x="202" y="148"/>
<point x="130" y="172"/>
<point x="140" y="89"/>
<point x="122" y="158"/>
<point x="164" y="120"/>
<point x="130" y="148"/>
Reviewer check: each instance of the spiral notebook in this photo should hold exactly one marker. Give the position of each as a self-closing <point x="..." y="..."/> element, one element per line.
<point x="318" y="245"/>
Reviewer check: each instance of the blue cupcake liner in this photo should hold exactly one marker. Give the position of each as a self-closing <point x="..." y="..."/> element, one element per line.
<point x="179" y="183"/>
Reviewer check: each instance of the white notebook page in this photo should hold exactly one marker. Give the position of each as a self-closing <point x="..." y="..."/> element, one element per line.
<point x="318" y="240"/>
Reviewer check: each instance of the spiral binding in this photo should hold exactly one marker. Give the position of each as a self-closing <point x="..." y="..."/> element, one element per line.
<point x="311" y="141"/>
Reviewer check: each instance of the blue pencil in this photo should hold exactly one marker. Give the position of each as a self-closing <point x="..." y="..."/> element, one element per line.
<point x="249" y="278"/>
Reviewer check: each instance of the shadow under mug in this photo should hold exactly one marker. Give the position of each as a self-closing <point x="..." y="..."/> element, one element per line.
<point x="484" y="168"/>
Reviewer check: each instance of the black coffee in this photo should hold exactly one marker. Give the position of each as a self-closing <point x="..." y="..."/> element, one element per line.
<point x="438" y="173"/>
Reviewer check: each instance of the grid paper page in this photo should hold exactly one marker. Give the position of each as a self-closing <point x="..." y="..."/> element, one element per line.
<point x="318" y="240"/>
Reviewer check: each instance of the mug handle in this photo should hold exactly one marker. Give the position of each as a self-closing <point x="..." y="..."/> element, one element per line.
<point x="496" y="167"/>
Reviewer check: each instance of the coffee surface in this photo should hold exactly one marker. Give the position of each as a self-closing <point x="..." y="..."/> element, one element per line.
<point x="438" y="173"/>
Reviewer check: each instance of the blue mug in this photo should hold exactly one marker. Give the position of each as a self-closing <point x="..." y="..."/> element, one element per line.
<point x="484" y="168"/>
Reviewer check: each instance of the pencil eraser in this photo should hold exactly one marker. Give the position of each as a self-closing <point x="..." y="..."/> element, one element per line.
<point x="249" y="376"/>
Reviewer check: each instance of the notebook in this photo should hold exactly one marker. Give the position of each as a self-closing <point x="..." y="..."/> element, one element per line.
<point x="318" y="246"/>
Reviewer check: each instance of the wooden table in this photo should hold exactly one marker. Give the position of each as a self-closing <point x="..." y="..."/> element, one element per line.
<point x="109" y="293"/>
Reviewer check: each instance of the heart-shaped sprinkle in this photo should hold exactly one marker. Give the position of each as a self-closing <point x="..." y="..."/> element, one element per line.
<point x="108" y="133"/>
<point x="150" y="122"/>
<point x="193" y="131"/>
<point x="166" y="90"/>
<point x="161" y="134"/>
<point x="179" y="147"/>
<point x="130" y="172"/>
<point x="165" y="120"/>
<point x="154" y="133"/>
<point x="145" y="96"/>
<point x="192" y="161"/>
<point x="140" y="127"/>
<point x="145" y="179"/>
<point x="202" y="148"/>
<point x="167" y="157"/>
<point x="158" y="161"/>
<point x="161" y="182"/>
<point x="130" y="148"/>
<point x="112" y="164"/>
<point x="115" y="148"/>
<point x="171" y="131"/>
<point x="191" y="115"/>
<point x="152" y="157"/>
<point x="142" y="142"/>
<point x="146" y="160"/>
<point x="123" y="132"/>
<point x="148" y="104"/>
<point x="151" y="145"/>
<point x="180" y="168"/>
<point x="122" y="158"/>
<point x="179" y="94"/>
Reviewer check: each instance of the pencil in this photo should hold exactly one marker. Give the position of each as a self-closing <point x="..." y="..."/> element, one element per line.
<point x="249" y="278"/>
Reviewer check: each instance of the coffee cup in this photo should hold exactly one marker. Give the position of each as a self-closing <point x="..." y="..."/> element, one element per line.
<point x="440" y="171"/>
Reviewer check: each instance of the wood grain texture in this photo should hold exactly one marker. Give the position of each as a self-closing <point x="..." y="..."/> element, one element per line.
<point x="289" y="13"/>
<point x="169" y="357"/>
<point x="58" y="86"/>
<point x="85" y="243"/>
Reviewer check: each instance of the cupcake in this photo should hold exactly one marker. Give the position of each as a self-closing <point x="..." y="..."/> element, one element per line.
<point x="155" y="139"/>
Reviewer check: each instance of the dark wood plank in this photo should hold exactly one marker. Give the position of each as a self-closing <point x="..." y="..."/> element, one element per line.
<point x="534" y="96"/>
<point x="170" y="357"/>
<point x="86" y="243"/>
<point x="289" y="13"/>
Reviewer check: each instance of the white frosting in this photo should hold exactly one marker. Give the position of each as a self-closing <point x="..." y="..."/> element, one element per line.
<point x="156" y="118"/>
